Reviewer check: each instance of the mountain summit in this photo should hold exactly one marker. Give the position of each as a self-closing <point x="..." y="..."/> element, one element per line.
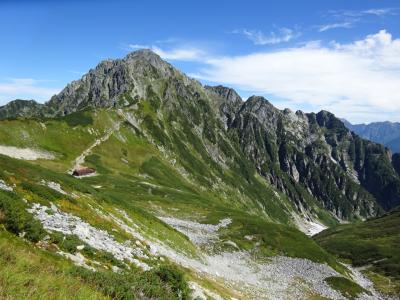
<point x="158" y="187"/>
<point x="313" y="158"/>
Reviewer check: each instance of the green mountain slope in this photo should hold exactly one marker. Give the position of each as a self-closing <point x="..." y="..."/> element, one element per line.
<point x="372" y="245"/>
<point x="188" y="176"/>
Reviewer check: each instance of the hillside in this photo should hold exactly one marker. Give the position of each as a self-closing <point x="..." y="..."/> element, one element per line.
<point x="217" y="192"/>
<point x="369" y="245"/>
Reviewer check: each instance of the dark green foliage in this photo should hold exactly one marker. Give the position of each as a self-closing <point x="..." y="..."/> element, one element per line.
<point x="173" y="277"/>
<point x="43" y="191"/>
<point x="371" y="242"/>
<point x="69" y="243"/>
<point x="164" y="282"/>
<point x="95" y="161"/>
<point x="275" y="239"/>
<point x="80" y="118"/>
<point x="153" y="98"/>
<point x="156" y="131"/>
<point x="164" y="175"/>
<point x="346" y="287"/>
<point x="16" y="219"/>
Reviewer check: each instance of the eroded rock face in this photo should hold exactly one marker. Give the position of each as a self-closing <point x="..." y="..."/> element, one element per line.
<point x="113" y="83"/>
<point x="315" y="155"/>
<point x="227" y="101"/>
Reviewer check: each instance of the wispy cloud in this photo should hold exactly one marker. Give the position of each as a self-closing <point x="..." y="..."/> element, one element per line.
<point x="13" y="88"/>
<point x="348" y="18"/>
<point x="273" y="37"/>
<point x="380" y="12"/>
<point x="327" y="27"/>
<point x="137" y="46"/>
<point x="182" y="53"/>
<point x="358" y="80"/>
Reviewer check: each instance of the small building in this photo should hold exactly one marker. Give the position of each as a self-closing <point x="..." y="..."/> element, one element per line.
<point x="83" y="171"/>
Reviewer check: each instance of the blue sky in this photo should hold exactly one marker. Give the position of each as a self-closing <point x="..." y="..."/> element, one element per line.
<point x="343" y="56"/>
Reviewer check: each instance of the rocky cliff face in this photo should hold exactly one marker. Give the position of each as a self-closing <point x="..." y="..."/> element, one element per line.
<point x="320" y="154"/>
<point x="313" y="158"/>
<point x="113" y="83"/>
<point x="304" y="155"/>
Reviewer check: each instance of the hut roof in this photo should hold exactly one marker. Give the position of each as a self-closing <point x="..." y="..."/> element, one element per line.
<point x="83" y="171"/>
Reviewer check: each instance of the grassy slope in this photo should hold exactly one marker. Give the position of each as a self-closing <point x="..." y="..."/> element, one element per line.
<point x="30" y="273"/>
<point x="371" y="243"/>
<point x="136" y="176"/>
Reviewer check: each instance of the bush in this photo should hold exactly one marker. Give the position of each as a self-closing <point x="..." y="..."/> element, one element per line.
<point x="43" y="191"/>
<point x="165" y="282"/>
<point x="174" y="278"/>
<point x="346" y="287"/>
<point x="82" y="118"/>
<point x="16" y="219"/>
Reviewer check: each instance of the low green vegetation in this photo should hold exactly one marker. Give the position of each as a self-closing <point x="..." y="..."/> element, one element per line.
<point x="136" y="176"/>
<point x="30" y="273"/>
<point x="15" y="218"/>
<point x="82" y="118"/>
<point x="165" y="282"/>
<point x="346" y="287"/>
<point x="372" y="244"/>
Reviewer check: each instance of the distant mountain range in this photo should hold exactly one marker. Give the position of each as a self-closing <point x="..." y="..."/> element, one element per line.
<point x="385" y="133"/>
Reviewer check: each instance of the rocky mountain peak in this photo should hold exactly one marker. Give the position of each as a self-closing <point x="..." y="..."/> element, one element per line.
<point x="329" y="120"/>
<point x="227" y="94"/>
<point x="113" y="83"/>
<point x="226" y="101"/>
<point x="145" y="54"/>
<point x="261" y="108"/>
<point x="21" y="108"/>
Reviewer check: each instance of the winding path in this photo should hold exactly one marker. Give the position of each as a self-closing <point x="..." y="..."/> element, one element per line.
<point x="78" y="162"/>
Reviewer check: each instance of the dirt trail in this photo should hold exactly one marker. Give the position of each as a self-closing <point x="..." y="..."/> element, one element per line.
<point x="78" y="162"/>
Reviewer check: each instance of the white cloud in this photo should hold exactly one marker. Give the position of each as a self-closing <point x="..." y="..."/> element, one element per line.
<point x="24" y="88"/>
<point x="359" y="81"/>
<point x="379" y="12"/>
<point x="138" y="46"/>
<point x="259" y="38"/>
<point x="183" y="53"/>
<point x="327" y="27"/>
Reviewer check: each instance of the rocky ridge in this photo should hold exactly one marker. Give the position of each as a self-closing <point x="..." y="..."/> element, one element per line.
<point x="313" y="158"/>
